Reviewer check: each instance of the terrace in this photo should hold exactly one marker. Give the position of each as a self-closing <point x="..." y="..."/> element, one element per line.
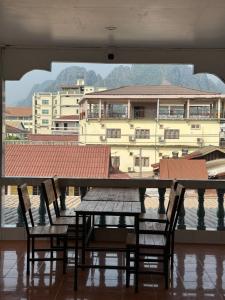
<point x="199" y="262"/>
<point x="95" y="31"/>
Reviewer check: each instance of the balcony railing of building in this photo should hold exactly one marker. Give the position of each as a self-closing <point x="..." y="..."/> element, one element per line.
<point x="84" y="183"/>
<point x="150" y="114"/>
<point x="65" y="130"/>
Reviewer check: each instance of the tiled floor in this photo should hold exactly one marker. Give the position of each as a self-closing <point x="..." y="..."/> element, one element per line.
<point x="199" y="274"/>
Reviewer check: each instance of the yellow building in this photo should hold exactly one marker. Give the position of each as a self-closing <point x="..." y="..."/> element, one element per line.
<point x="58" y="113"/>
<point x="145" y="123"/>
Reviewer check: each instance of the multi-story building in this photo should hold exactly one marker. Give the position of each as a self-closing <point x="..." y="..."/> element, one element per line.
<point x="58" y="113"/>
<point x="145" y="123"/>
<point x="14" y="116"/>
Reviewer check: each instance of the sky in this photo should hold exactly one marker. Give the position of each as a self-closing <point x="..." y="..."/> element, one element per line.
<point x="19" y="89"/>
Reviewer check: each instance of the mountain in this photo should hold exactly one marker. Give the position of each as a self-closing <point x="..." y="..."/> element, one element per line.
<point x="181" y="75"/>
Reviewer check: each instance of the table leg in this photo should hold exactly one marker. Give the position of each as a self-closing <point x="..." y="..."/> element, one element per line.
<point x="122" y="222"/>
<point x="102" y="220"/>
<point x="83" y="238"/>
<point x="136" y="254"/>
<point x="76" y="252"/>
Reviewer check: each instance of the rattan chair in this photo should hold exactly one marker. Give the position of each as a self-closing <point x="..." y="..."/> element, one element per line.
<point x="51" y="233"/>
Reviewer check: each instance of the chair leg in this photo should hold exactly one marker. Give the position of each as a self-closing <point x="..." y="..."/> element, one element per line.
<point x="172" y="253"/>
<point x="64" y="255"/>
<point x="166" y="268"/>
<point x="127" y="267"/>
<point x="51" y="246"/>
<point x="28" y="255"/>
<point x="32" y="249"/>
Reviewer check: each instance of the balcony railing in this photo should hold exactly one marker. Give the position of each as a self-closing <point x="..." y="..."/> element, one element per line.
<point x="65" y="130"/>
<point x="200" y="185"/>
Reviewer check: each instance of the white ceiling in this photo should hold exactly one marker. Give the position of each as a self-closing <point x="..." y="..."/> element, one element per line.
<point x="139" y="23"/>
<point x="34" y="33"/>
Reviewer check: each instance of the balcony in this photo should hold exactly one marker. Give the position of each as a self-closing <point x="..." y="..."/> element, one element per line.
<point x="65" y="130"/>
<point x="199" y="269"/>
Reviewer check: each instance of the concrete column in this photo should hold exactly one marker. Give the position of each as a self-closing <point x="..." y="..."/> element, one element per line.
<point x="86" y="109"/>
<point x="157" y="112"/>
<point x="219" y="108"/>
<point x="128" y="109"/>
<point x="100" y="109"/>
<point x="2" y="125"/>
<point x="188" y="109"/>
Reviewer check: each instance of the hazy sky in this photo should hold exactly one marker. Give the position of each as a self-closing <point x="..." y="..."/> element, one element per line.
<point x="19" y="89"/>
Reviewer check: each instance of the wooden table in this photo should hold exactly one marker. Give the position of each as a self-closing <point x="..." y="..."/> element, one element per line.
<point x="116" y="208"/>
<point x="113" y="194"/>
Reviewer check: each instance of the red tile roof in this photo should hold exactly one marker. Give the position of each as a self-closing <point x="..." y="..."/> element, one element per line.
<point x="183" y="169"/>
<point x="60" y="160"/>
<point x="51" y="137"/>
<point x="19" y="111"/>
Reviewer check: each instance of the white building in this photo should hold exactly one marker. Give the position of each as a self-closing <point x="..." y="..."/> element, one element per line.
<point x="58" y="113"/>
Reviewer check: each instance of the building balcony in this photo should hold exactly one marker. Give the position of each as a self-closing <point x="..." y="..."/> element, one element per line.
<point x="65" y="130"/>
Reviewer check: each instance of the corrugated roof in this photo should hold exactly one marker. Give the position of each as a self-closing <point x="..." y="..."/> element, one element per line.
<point x="12" y="129"/>
<point x="204" y="151"/>
<point x="183" y="169"/>
<point x="19" y="111"/>
<point x="152" y="90"/>
<point x="60" y="160"/>
<point x="51" y="137"/>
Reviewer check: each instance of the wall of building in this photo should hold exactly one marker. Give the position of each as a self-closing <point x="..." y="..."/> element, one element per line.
<point x="192" y="135"/>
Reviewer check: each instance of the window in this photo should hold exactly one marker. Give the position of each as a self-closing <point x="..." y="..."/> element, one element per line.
<point x="171" y="134"/>
<point x="113" y="133"/>
<point x="65" y="126"/>
<point x="44" y="122"/>
<point x="195" y="126"/>
<point x="176" y="110"/>
<point x="44" y="101"/>
<point x="45" y="111"/>
<point x="36" y="190"/>
<point x="116" y="162"/>
<point x="203" y="111"/>
<point x="142" y="133"/>
<point x="145" y="161"/>
<point x="77" y="111"/>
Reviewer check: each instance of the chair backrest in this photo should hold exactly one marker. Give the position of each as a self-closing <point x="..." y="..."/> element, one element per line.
<point x="171" y="195"/>
<point x="176" y="201"/>
<point x="25" y="205"/>
<point x="50" y="199"/>
<point x="55" y="182"/>
<point x="180" y="190"/>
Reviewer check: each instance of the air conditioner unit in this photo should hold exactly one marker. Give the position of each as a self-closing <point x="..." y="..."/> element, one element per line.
<point x="161" y="139"/>
<point x="131" y="153"/>
<point x="200" y="140"/>
<point x="131" y="126"/>
<point x="102" y="138"/>
<point x="131" y="138"/>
